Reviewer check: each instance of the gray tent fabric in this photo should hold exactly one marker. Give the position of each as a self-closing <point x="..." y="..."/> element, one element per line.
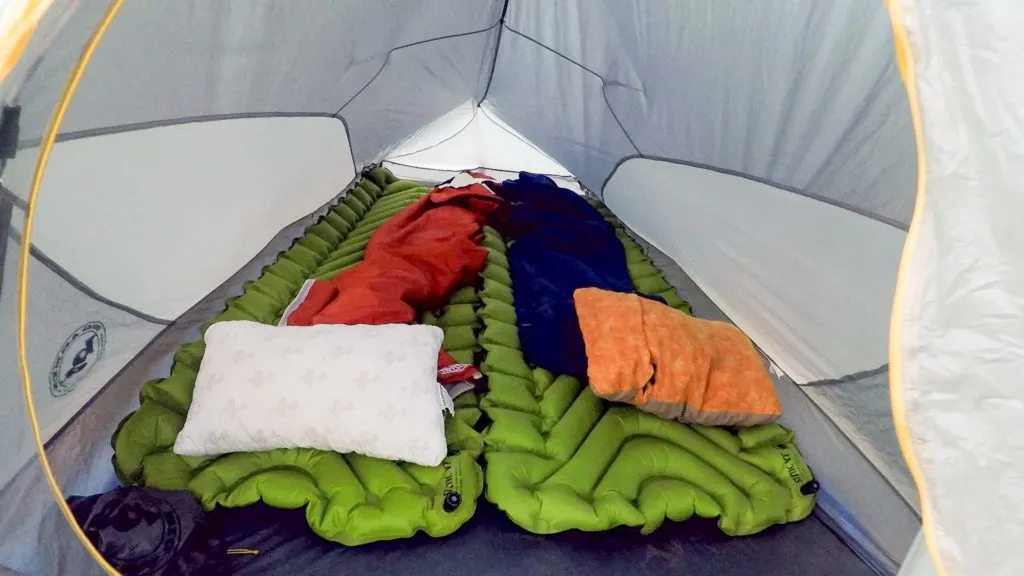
<point x="194" y="59"/>
<point x="804" y="98"/>
<point x="805" y="94"/>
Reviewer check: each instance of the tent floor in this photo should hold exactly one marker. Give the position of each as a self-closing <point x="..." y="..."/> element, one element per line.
<point x="490" y="544"/>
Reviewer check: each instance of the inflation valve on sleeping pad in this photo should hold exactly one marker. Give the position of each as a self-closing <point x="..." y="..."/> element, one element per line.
<point x="452" y="500"/>
<point x="809" y="488"/>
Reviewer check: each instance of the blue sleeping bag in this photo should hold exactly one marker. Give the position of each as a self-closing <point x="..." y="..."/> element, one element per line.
<point x="558" y="243"/>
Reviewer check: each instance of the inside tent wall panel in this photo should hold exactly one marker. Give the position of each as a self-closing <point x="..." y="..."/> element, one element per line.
<point x="558" y="106"/>
<point x="416" y="86"/>
<point x="32" y="529"/>
<point x="62" y="323"/>
<point x="155" y="219"/>
<point x="192" y="58"/>
<point x="860" y="498"/>
<point x="803" y="93"/>
<point x="810" y="283"/>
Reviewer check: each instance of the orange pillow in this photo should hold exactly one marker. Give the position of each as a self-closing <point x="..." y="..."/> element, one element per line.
<point x="672" y="364"/>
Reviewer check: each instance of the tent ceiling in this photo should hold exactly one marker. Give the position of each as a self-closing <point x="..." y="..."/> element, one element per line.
<point x="823" y="111"/>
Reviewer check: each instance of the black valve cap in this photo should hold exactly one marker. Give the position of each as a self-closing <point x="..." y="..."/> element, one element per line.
<point x="452" y="500"/>
<point x="811" y="487"/>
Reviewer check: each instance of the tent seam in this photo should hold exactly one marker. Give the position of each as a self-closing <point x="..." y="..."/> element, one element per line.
<point x="124" y="128"/>
<point x="800" y="387"/>
<point x="6" y="213"/>
<point x="7" y="196"/>
<point x="639" y="154"/>
<point x="323" y="208"/>
<point x="604" y="85"/>
<point x="809" y="195"/>
<point x="494" y="57"/>
<point x="387" y="58"/>
<point x="560" y="176"/>
<point x="82" y="287"/>
<point x="148" y="124"/>
<point x="449" y="138"/>
<point x="847" y="378"/>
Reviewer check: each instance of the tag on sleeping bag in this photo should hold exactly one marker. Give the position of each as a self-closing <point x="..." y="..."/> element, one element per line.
<point x="446" y="401"/>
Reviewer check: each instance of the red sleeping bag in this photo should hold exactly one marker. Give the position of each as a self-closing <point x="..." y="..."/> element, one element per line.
<point x="413" y="262"/>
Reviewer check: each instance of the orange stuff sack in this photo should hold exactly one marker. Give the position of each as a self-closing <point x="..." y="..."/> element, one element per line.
<point x="671" y="364"/>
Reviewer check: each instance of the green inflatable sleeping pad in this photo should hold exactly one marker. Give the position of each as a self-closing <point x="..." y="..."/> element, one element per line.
<point x="559" y="458"/>
<point x="348" y="498"/>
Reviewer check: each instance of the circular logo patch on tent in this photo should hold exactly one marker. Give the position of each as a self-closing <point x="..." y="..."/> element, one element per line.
<point x="76" y="356"/>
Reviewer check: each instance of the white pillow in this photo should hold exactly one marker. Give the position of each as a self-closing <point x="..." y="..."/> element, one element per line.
<point x="366" y="389"/>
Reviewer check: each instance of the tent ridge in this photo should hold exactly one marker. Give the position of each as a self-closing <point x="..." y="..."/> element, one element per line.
<point x="729" y="172"/>
<point x="387" y="57"/>
<point x="497" y="46"/>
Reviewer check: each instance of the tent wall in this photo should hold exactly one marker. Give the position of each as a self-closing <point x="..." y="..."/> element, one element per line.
<point x="858" y="499"/>
<point x="804" y="94"/>
<point x="388" y="68"/>
<point x="471" y="136"/>
<point x="129" y="214"/>
<point x="200" y="120"/>
<point x="57" y="311"/>
<point x="819" y="309"/>
<point x="34" y="537"/>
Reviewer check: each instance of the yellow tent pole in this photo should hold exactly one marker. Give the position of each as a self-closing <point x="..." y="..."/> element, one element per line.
<point x="45" y="148"/>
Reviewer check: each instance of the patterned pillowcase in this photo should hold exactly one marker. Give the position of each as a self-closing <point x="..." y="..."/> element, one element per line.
<point x="366" y="389"/>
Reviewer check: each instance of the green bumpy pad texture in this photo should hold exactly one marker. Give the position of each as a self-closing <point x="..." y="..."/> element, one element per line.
<point x="348" y="498"/>
<point x="560" y="458"/>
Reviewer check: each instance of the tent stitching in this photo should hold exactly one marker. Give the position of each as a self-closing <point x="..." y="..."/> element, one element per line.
<point x="387" y="58"/>
<point x="6" y="212"/>
<point x="82" y="287"/>
<point x="604" y="85"/>
<point x="570" y="178"/>
<point x="436" y="144"/>
<point x="313" y="216"/>
<point x="8" y="196"/>
<point x="809" y="195"/>
<point x="831" y="422"/>
<point x="494" y="56"/>
<point x="853" y="377"/>
<point x="80" y="134"/>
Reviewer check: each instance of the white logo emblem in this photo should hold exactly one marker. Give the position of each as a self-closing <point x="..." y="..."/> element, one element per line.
<point x="76" y="356"/>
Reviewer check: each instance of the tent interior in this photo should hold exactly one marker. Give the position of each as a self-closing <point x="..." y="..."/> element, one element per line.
<point x="761" y="155"/>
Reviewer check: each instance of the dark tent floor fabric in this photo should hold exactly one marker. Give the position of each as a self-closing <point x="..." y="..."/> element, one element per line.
<point x="269" y="541"/>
